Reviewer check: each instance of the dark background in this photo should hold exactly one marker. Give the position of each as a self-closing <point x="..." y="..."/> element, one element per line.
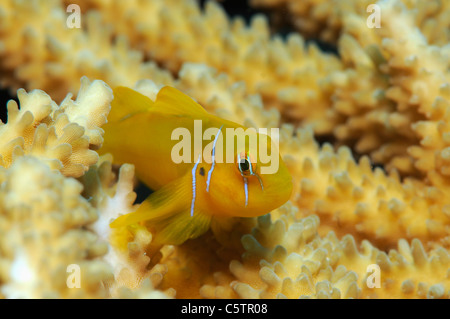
<point x="4" y="97"/>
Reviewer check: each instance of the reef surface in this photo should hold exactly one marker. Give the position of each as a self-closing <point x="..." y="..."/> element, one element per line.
<point x="364" y="131"/>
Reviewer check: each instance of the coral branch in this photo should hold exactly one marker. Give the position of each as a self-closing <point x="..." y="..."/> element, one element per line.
<point x="59" y="135"/>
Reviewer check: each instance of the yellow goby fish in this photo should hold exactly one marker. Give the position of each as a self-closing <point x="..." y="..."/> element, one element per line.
<point x="195" y="162"/>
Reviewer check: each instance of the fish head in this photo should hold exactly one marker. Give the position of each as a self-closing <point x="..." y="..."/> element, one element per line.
<point x="251" y="182"/>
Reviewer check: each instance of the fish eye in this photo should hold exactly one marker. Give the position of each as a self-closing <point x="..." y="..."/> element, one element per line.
<point x="245" y="164"/>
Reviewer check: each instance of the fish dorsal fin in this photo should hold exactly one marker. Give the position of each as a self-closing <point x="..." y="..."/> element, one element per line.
<point x="172" y="101"/>
<point x="128" y="102"/>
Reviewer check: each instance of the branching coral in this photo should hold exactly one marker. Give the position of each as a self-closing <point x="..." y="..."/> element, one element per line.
<point x="381" y="112"/>
<point x="286" y="75"/>
<point x="53" y="55"/>
<point x="385" y="97"/>
<point x="126" y="254"/>
<point x="287" y="259"/>
<point x="60" y="135"/>
<point x="327" y="19"/>
<point x="349" y="194"/>
<point x="416" y="96"/>
<point x="42" y="215"/>
<point x="44" y="218"/>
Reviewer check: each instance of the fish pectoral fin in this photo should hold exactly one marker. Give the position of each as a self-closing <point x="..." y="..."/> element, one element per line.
<point x="171" y="228"/>
<point x="161" y="204"/>
<point x="167" y="213"/>
<point x="178" y="228"/>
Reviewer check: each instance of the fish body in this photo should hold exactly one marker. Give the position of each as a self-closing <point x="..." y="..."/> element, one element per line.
<point x="182" y="153"/>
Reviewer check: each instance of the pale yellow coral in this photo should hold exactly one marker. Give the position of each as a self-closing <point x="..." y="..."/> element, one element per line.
<point x="327" y="19"/>
<point x="394" y="79"/>
<point x="353" y="198"/>
<point x="127" y="254"/>
<point x="286" y="74"/>
<point x="59" y="135"/>
<point x="42" y="218"/>
<point x="396" y="112"/>
<point x="53" y="55"/>
<point x="426" y="92"/>
<point x="286" y="258"/>
<point x="48" y="227"/>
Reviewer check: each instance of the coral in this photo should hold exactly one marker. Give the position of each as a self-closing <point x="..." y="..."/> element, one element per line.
<point x="382" y="99"/>
<point x="380" y="111"/>
<point x="272" y="68"/>
<point x="60" y="135"/>
<point x="128" y="263"/>
<point x="351" y="197"/>
<point x="327" y="19"/>
<point x="48" y="228"/>
<point x="286" y="258"/>
<point x="52" y="55"/>
<point x="42" y="235"/>
<point x="410" y="110"/>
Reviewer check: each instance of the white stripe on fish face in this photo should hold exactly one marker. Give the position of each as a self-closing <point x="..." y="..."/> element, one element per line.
<point x="208" y="181"/>
<point x="246" y="190"/>
<point x="194" y="170"/>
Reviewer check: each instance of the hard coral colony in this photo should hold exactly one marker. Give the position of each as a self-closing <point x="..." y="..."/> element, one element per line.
<point x="383" y="99"/>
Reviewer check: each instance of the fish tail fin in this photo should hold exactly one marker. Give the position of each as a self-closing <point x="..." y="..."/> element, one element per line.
<point x="167" y="213"/>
